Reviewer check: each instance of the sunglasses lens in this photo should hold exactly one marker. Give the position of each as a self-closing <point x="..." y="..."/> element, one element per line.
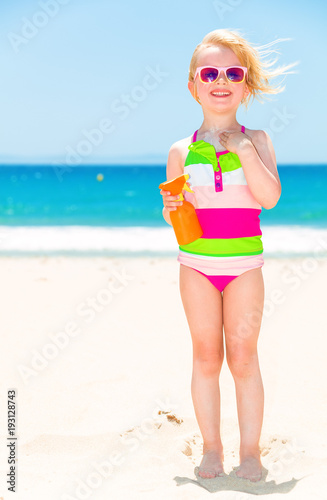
<point x="208" y="75"/>
<point x="235" y="75"/>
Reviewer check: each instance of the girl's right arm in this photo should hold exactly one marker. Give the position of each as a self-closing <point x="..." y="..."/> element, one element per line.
<point x="174" y="168"/>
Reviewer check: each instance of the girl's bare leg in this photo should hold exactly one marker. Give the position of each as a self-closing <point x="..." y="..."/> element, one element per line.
<point x="202" y="303"/>
<point x="243" y="301"/>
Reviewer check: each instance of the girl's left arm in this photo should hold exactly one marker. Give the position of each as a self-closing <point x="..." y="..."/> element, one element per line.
<point x="258" y="160"/>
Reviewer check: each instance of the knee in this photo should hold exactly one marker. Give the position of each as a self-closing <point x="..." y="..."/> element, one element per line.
<point x="242" y="362"/>
<point x="208" y="361"/>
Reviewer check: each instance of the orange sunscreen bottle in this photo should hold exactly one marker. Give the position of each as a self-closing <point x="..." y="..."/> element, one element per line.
<point x="184" y="219"/>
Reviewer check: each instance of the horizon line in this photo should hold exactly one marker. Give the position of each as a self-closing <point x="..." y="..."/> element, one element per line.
<point x="109" y="164"/>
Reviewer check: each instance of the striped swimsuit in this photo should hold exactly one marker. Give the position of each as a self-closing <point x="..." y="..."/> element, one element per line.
<point x="228" y="214"/>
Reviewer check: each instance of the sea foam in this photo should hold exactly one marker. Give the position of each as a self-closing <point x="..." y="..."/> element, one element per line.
<point x="278" y="241"/>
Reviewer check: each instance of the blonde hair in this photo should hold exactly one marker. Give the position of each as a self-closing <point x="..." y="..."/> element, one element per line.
<point x="259" y="71"/>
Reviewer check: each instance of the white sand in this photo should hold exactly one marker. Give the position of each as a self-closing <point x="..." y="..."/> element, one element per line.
<point x="88" y="422"/>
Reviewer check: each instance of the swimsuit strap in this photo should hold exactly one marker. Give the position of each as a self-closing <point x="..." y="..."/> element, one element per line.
<point x="196" y="133"/>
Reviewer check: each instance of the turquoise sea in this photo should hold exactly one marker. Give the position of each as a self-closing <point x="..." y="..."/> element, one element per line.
<point x="56" y="209"/>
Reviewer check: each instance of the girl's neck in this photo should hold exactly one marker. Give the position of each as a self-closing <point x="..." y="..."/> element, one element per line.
<point x="218" y="122"/>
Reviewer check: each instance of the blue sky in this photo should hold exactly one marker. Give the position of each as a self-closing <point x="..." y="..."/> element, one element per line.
<point x="119" y="69"/>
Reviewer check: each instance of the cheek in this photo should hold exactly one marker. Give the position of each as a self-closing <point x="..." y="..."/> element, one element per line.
<point x="203" y="91"/>
<point x="239" y="92"/>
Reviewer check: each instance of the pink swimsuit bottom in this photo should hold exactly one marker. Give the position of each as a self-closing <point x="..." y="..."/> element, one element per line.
<point x="220" y="282"/>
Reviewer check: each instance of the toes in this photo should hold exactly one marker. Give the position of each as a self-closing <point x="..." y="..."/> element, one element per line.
<point x="255" y="478"/>
<point x="209" y="473"/>
<point x="251" y="477"/>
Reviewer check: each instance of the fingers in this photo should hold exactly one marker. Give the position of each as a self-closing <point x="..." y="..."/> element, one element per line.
<point x="170" y="201"/>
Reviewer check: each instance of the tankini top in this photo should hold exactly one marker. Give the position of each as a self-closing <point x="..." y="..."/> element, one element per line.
<point x="227" y="211"/>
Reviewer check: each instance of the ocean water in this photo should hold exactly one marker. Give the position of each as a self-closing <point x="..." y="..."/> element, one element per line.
<point x="50" y="209"/>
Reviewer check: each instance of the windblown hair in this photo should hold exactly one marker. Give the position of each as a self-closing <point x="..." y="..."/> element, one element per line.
<point x="260" y="70"/>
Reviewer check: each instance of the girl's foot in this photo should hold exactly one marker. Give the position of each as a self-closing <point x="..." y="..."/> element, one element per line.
<point x="250" y="468"/>
<point x="211" y="464"/>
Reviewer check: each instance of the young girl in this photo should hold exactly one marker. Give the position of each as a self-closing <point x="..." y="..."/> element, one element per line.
<point x="233" y="174"/>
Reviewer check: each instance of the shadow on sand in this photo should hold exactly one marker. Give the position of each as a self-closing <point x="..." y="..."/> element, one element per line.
<point x="231" y="482"/>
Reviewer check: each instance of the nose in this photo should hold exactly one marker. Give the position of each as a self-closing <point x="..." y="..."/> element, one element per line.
<point x="221" y="77"/>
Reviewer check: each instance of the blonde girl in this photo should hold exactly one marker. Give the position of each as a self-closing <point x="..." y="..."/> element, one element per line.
<point x="233" y="173"/>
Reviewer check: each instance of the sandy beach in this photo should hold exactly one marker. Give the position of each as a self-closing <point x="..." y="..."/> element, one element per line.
<point x="100" y="356"/>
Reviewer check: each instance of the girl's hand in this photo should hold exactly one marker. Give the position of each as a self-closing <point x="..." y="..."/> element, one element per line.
<point x="234" y="141"/>
<point x="169" y="200"/>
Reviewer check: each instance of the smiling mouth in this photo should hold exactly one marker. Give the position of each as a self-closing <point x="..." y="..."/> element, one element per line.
<point x="221" y="94"/>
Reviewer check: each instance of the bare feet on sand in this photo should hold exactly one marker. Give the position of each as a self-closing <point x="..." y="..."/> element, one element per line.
<point x="250" y="468"/>
<point x="211" y="464"/>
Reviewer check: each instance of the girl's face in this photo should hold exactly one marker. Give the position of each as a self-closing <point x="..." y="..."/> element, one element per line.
<point x="205" y="92"/>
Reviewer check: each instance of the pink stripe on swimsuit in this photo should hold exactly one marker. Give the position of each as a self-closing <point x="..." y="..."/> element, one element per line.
<point x="228" y="213"/>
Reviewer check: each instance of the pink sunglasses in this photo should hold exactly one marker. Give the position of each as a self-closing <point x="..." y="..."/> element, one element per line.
<point x="209" y="74"/>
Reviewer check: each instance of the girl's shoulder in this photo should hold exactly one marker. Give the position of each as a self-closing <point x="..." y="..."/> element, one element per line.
<point x="258" y="137"/>
<point x="179" y="151"/>
<point x="264" y="147"/>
